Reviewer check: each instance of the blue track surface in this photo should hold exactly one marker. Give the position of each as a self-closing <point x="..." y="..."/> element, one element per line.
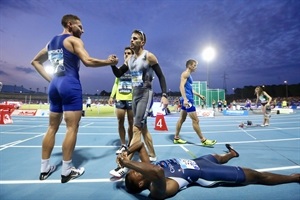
<point x="275" y="148"/>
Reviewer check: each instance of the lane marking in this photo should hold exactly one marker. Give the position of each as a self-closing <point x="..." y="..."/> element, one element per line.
<point x="188" y="151"/>
<point x="107" y="180"/>
<point x="87" y="124"/>
<point x="12" y="144"/>
<point x="163" y="145"/>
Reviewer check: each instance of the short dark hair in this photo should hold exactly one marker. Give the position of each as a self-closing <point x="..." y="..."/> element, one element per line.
<point x="141" y="33"/>
<point x="69" y="17"/>
<point x="129" y="49"/>
<point x="190" y="61"/>
<point x="131" y="186"/>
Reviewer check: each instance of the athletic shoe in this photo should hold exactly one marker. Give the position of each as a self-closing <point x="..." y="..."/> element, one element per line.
<point x="121" y="149"/>
<point x="45" y="175"/>
<point x="119" y="172"/>
<point x="267" y="124"/>
<point x="75" y="173"/>
<point x="209" y="142"/>
<point x="179" y="141"/>
<point x="262" y="125"/>
<point x="230" y="148"/>
<point x="152" y="159"/>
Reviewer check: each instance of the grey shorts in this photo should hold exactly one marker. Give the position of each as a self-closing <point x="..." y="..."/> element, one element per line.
<point x="141" y="104"/>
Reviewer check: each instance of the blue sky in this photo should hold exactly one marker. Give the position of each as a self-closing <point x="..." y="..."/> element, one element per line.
<point x="257" y="42"/>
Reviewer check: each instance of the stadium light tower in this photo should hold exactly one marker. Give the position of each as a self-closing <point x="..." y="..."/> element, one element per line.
<point x="286" y="89"/>
<point x="208" y="55"/>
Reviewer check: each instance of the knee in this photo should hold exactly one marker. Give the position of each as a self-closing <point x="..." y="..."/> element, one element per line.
<point x="136" y="129"/>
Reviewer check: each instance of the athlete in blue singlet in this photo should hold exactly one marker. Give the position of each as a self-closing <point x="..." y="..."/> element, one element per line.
<point x="65" y="51"/>
<point x="141" y="65"/>
<point x="165" y="178"/>
<point x="188" y="106"/>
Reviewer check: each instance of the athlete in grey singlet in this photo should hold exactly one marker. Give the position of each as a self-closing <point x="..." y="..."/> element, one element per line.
<point x="141" y="64"/>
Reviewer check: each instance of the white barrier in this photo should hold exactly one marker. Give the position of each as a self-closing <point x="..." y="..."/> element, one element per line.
<point x="205" y="113"/>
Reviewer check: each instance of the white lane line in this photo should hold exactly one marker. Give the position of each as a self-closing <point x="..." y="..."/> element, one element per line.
<point x="165" y="145"/>
<point x="188" y="151"/>
<point x="87" y="124"/>
<point x="107" y="180"/>
<point x="19" y="141"/>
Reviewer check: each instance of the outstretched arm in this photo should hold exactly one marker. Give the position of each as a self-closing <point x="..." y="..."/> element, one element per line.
<point x="76" y="46"/>
<point x="118" y="72"/>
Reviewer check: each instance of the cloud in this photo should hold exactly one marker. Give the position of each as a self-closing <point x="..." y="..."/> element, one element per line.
<point x="28" y="6"/>
<point x="3" y="73"/>
<point x="27" y="70"/>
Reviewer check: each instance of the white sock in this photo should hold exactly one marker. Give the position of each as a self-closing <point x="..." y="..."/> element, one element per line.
<point x="45" y="165"/>
<point x="66" y="167"/>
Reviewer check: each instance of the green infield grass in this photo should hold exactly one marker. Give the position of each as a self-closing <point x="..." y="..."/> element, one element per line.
<point x="95" y="111"/>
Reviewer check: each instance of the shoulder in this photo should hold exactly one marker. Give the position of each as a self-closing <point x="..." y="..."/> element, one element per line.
<point x="74" y="39"/>
<point x="151" y="58"/>
<point x="185" y="74"/>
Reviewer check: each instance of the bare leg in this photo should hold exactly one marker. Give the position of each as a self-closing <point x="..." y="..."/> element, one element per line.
<point x="72" y="119"/>
<point x="196" y="126"/>
<point x="137" y="135"/>
<point x="148" y="141"/>
<point x="180" y="121"/>
<point x="49" y="138"/>
<point x="130" y="126"/>
<point x="267" y="178"/>
<point x="224" y="158"/>
<point x="263" y="109"/>
<point x="121" y="117"/>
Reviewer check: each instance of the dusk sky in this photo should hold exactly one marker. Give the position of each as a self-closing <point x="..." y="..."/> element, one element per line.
<point x="257" y="42"/>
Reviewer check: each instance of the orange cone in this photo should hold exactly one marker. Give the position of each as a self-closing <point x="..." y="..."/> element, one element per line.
<point x="160" y="123"/>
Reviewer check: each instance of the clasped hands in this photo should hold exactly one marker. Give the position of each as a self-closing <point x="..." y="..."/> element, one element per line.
<point x="121" y="158"/>
<point x="113" y="59"/>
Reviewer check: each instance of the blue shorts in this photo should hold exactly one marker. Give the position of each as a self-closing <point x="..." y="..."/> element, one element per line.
<point x="211" y="170"/>
<point x="125" y="105"/>
<point x="65" y="94"/>
<point x="191" y="107"/>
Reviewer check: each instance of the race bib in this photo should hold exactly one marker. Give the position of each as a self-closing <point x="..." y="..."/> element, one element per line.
<point x="188" y="164"/>
<point x="137" y="78"/>
<point x="57" y="60"/>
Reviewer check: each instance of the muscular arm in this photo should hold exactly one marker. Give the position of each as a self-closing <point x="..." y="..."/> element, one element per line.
<point x="183" y="80"/>
<point x="113" y="92"/>
<point x="38" y="61"/>
<point x="156" y="68"/>
<point x="114" y="88"/>
<point x="199" y="95"/>
<point x="76" y="46"/>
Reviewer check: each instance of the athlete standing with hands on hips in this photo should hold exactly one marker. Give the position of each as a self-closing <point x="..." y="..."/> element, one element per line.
<point x="65" y="51"/>
<point x="265" y="100"/>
